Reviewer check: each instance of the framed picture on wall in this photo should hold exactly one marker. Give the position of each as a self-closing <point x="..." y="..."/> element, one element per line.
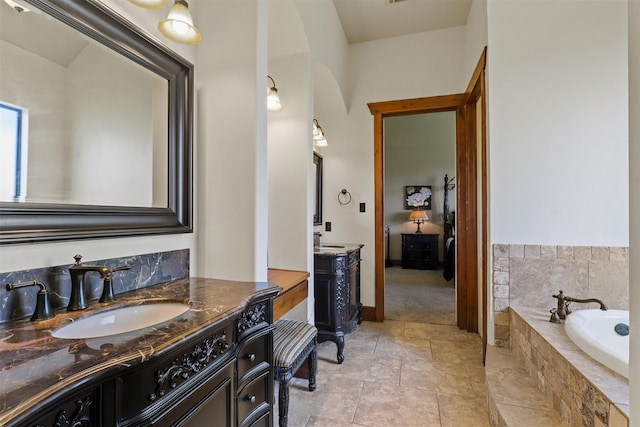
<point x="417" y="196"/>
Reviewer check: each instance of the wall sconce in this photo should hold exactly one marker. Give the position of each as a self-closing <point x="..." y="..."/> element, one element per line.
<point x="273" y="99"/>
<point x="418" y="217"/>
<point x="149" y="4"/>
<point x="179" y="24"/>
<point x="319" y="138"/>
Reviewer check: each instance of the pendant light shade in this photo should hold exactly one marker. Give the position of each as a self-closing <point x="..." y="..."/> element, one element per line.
<point x="179" y="25"/>
<point x="149" y="4"/>
<point x="273" y="99"/>
<point x="319" y="138"/>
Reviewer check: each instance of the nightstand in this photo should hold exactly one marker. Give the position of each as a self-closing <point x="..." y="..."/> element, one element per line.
<point x="420" y="251"/>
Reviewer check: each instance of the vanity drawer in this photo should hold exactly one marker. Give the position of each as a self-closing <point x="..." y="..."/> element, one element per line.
<point x="254" y="399"/>
<point x="254" y="356"/>
<point x="169" y="378"/>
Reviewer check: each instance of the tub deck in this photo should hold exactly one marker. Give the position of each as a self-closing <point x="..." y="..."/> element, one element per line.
<point x="581" y="390"/>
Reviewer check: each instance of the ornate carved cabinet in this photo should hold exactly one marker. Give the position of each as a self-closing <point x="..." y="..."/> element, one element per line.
<point x="338" y="310"/>
<point x="221" y="375"/>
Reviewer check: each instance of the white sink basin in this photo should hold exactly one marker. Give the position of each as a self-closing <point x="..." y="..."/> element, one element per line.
<point x="121" y="319"/>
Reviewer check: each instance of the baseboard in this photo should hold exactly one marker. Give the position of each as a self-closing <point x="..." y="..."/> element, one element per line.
<point x="369" y="314"/>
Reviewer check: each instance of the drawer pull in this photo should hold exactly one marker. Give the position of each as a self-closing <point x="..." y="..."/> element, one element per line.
<point x="251" y="398"/>
<point x="251" y="357"/>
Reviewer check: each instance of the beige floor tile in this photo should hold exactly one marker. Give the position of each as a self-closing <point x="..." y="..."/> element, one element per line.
<point x="426" y="331"/>
<point x="404" y="347"/>
<point x="387" y="328"/>
<point x="398" y="373"/>
<point x="336" y="400"/>
<point x="371" y="367"/>
<point x="388" y="405"/>
<point x="457" y="410"/>
<point x="435" y="376"/>
<point x="457" y="352"/>
<point x="328" y="422"/>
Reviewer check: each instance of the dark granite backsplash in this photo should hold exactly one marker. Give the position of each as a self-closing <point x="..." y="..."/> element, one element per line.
<point x="146" y="270"/>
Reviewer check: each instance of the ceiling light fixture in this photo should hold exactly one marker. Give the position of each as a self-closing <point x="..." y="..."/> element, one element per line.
<point x="179" y="25"/>
<point x="149" y="4"/>
<point x="319" y="138"/>
<point x="273" y="99"/>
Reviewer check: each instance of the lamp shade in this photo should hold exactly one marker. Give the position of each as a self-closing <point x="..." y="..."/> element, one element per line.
<point x="179" y="25"/>
<point x="418" y="215"/>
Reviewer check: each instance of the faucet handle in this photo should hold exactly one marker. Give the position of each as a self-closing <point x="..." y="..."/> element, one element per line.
<point x="43" y="308"/>
<point x="107" y="284"/>
<point x="78" y="258"/>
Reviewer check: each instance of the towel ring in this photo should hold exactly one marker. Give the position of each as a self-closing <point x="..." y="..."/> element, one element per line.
<point x="344" y="197"/>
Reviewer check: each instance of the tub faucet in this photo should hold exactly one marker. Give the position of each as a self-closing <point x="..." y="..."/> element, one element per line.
<point x="563" y="305"/>
<point x="77" y="271"/>
<point x="603" y="306"/>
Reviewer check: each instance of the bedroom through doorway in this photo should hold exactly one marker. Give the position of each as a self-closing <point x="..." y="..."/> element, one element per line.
<point x="419" y="211"/>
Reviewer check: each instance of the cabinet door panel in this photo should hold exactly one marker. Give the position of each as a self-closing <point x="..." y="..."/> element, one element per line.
<point x="324" y="301"/>
<point x="215" y="408"/>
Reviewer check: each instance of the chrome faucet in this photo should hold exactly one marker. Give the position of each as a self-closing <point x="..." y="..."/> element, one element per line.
<point x="77" y="300"/>
<point x="563" y="305"/>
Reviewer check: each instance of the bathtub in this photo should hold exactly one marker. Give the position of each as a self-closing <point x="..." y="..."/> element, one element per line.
<point x="594" y="331"/>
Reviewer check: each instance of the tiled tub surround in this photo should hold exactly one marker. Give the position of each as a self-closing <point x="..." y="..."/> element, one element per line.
<point x="585" y="392"/>
<point x="35" y="366"/>
<point x="528" y="276"/>
<point x="146" y="270"/>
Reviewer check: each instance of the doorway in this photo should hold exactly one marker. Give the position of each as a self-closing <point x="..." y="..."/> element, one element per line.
<point x="471" y="176"/>
<point x="419" y="155"/>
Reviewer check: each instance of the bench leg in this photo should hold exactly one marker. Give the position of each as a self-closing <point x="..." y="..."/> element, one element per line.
<point x="313" y="363"/>
<point x="283" y="402"/>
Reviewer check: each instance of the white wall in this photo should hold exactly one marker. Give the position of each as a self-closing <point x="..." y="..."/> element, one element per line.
<point x="426" y="64"/>
<point x="232" y="136"/>
<point x="476" y="34"/>
<point x="290" y="171"/>
<point x="558" y="122"/>
<point x="634" y="208"/>
<point x="419" y="150"/>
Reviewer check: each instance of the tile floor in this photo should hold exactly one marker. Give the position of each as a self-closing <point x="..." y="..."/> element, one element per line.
<point x="396" y="373"/>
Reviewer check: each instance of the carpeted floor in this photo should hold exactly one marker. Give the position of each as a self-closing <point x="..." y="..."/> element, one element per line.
<point x="421" y="296"/>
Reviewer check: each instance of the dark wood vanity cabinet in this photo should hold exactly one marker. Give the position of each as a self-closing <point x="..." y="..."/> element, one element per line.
<point x="220" y="376"/>
<point x="338" y="310"/>
<point x="420" y="251"/>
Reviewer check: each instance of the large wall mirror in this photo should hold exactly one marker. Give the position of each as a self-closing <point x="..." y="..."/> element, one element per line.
<point x="97" y="122"/>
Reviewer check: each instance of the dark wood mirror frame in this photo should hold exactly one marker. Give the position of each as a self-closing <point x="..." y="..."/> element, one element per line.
<point x="33" y="222"/>
<point x="317" y="213"/>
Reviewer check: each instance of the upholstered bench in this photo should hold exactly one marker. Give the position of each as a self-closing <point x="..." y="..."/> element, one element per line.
<point x="293" y="343"/>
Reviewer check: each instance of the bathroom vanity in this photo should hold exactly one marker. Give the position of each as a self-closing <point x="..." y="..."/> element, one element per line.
<point x="338" y="309"/>
<point x="211" y="363"/>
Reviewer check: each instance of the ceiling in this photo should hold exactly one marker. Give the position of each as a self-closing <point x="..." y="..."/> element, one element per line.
<point x="366" y="20"/>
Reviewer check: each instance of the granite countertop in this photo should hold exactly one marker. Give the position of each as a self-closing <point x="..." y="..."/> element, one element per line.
<point x="34" y="364"/>
<point x="333" y="249"/>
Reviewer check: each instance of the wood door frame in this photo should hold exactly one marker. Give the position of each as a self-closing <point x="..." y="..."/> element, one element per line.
<point x="464" y="105"/>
